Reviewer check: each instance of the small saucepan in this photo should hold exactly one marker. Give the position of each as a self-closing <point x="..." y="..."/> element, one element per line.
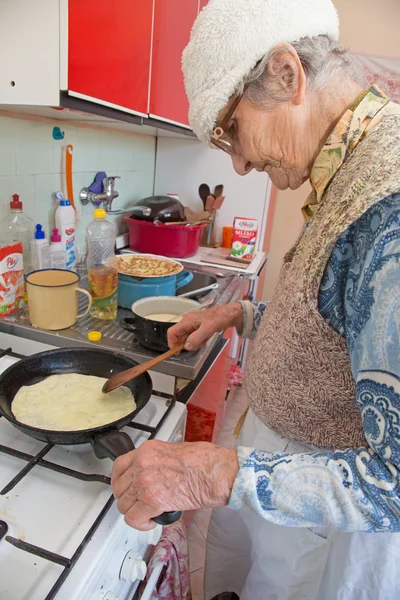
<point x="152" y="333"/>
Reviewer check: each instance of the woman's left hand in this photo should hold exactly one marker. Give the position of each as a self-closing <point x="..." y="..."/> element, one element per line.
<point x="160" y="476"/>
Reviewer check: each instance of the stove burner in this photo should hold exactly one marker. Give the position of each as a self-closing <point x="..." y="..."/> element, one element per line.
<point x="38" y="460"/>
<point x="3" y="529"/>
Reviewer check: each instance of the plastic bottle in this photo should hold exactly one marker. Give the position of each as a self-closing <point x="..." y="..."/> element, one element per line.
<point x="57" y="251"/>
<point x="103" y="278"/>
<point x="41" y="249"/>
<point x="17" y="226"/>
<point x="65" y="223"/>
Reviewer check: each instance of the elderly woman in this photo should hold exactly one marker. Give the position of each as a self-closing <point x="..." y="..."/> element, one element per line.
<point x="311" y="495"/>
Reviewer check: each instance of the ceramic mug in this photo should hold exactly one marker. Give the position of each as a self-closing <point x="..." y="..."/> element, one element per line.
<point x="53" y="298"/>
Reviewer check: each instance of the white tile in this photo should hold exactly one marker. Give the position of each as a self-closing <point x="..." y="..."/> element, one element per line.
<point x="78" y="182"/>
<point x="136" y="186"/>
<point x="25" y="187"/>
<point x="33" y="147"/>
<point x="86" y="150"/>
<point x="144" y="153"/>
<point x="7" y="146"/>
<point x="126" y="151"/>
<point x="109" y="152"/>
<point x="45" y="202"/>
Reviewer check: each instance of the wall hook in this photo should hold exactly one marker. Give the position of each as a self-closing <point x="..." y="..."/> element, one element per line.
<point x="58" y="134"/>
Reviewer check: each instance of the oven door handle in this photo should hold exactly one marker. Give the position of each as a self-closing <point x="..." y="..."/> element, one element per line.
<point x="152" y="582"/>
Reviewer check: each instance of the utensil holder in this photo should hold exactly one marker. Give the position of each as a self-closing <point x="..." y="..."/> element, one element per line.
<point x="208" y="235"/>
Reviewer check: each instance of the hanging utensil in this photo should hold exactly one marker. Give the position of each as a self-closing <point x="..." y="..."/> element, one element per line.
<point x="69" y="150"/>
<point x="219" y="190"/>
<point x="218" y="202"/>
<point x="213" y="286"/>
<point x="210" y="202"/>
<point x="126" y="376"/>
<point x="204" y="192"/>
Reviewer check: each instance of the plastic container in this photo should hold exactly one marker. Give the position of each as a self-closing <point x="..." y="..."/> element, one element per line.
<point x="57" y="251"/>
<point x="40" y="250"/>
<point x="11" y="277"/>
<point x="19" y="227"/>
<point x="103" y="279"/>
<point x="130" y="289"/>
<point x="175" y="241"/>
<point x="65" y="223"/>
<point x="227" y="233"/>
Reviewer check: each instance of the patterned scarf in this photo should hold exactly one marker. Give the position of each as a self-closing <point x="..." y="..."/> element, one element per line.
<point x="360" y="118"/>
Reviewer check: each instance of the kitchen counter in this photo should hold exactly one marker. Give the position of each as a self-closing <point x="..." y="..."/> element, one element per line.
<point x="114" y="338"/>
<point x="211" y="254"/>
<point x="214" y="259"/>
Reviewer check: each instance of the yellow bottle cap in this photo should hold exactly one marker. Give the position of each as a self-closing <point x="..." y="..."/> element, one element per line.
<point x="94" y="336"/>
<point x="99" y="213"/>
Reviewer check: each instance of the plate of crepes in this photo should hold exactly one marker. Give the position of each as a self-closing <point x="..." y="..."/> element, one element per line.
<point x="146" y="265"/>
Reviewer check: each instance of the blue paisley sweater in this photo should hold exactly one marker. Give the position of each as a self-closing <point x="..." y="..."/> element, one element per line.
<point x="353" y="490"/>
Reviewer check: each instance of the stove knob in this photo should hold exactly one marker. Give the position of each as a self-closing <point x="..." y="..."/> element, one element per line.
<point x="150" y="537"/>
<point x="111" y="596"/>
<point x="133" y="567"/>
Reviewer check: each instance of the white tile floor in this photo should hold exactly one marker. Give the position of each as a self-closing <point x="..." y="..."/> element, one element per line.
<point x="197" y="530"/>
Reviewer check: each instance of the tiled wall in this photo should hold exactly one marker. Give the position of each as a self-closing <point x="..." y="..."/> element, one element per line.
<point x="32" y="164"/>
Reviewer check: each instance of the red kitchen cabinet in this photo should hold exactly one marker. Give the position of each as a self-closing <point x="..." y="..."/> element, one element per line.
<point x="173" y="20"/>
<point x="109" y="46"/>
<point x="209" y="404"/>
<point x="206" y="406"/>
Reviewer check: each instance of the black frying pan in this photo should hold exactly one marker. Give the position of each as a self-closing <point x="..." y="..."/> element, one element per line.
<point x="107" y="441"/>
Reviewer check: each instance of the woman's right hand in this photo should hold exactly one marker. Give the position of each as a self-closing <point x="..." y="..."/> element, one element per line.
<point x="197" y="328"/>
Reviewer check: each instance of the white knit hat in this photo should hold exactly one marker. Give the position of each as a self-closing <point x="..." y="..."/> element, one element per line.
<point x="229" y="37"/>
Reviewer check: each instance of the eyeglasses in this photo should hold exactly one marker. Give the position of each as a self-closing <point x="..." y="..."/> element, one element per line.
<point x="224" y="137"/>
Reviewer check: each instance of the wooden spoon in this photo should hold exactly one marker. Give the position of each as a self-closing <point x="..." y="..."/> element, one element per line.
<point x="126" y="376"/>
<point x="219" y="190"/>
<point x="204" y="191"/>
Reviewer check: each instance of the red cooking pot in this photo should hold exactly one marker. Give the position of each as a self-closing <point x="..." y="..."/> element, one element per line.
<point x="177" y="241"/>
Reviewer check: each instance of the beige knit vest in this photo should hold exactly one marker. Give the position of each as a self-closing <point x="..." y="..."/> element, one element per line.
<point x="298" y="378"/>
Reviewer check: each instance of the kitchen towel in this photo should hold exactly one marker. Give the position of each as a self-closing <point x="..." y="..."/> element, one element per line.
<point x="172" y="551"/>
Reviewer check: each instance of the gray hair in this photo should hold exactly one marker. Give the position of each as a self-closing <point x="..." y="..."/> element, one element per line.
<point x="322" y="59"/>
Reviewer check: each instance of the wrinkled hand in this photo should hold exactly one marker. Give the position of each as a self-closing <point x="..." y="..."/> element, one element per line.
<point x="160" y="476"/>
<point x="197" y="328"/>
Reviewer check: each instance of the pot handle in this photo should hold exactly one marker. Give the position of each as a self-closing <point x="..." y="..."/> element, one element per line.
<point x="128" y="324"/>
<point x="183" y="279"/>
<point x="89" y="304"/>
<point x="116" y="443"/>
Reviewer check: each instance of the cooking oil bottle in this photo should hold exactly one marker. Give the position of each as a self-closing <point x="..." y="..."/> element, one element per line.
<point x="103" y="277"/>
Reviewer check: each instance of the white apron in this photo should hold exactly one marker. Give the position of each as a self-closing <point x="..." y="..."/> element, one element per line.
<point x="261" y="561"/>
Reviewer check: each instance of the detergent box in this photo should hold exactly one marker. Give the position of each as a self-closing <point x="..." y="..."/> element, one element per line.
<point x="11" y="277"/>
<point x="244" y="238"/>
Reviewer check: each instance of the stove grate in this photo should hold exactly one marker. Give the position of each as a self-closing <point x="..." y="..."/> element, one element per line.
<point x="67" y="563"/>
<point x="51" y="466"/>
<point x="37" y="460"/>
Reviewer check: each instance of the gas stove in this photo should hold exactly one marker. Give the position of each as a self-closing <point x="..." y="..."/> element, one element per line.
<point x="61" y="536"/>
